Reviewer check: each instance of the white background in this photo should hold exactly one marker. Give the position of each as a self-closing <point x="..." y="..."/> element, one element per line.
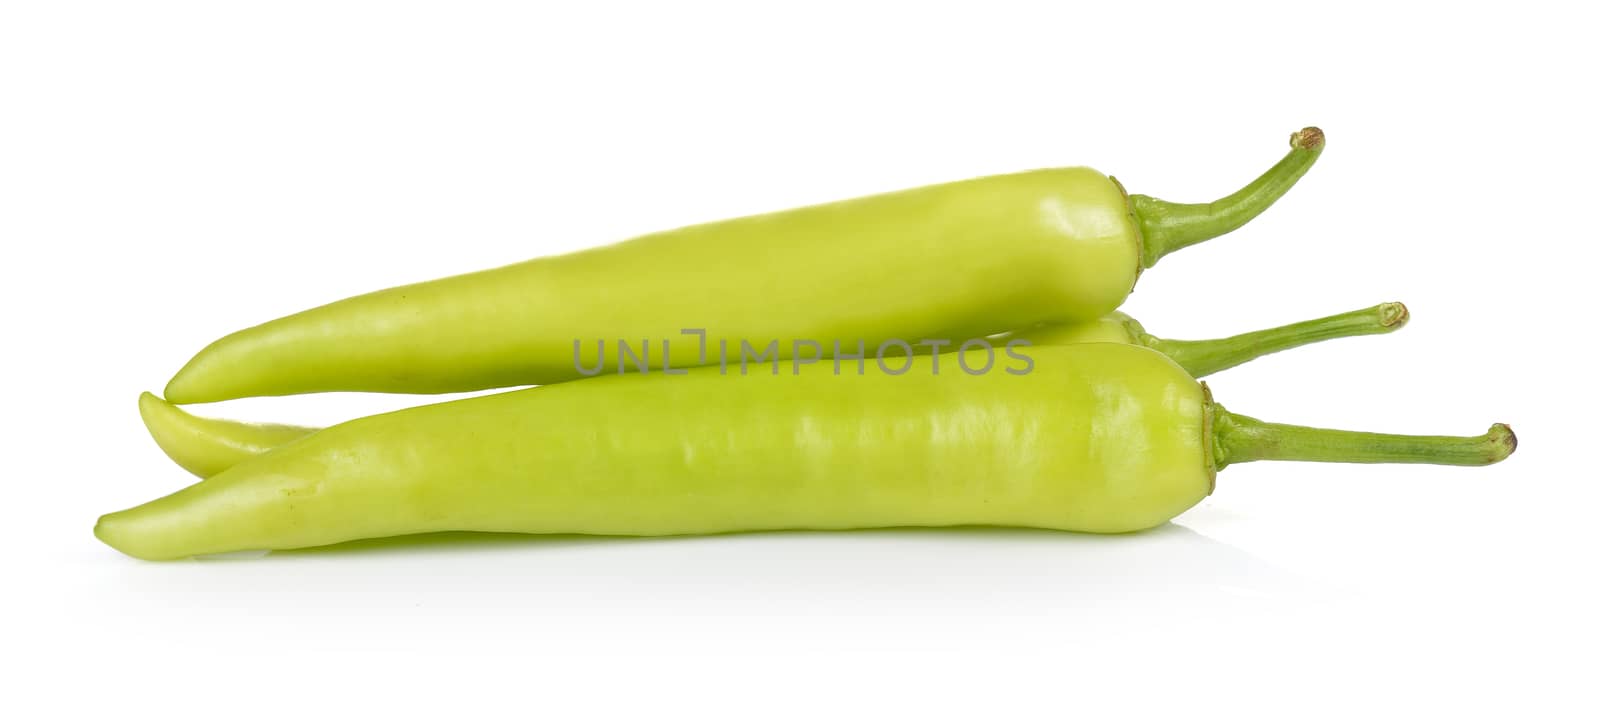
<point x="170" y="172"/>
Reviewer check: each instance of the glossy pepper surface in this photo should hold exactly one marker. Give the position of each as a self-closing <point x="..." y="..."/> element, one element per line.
<point x="206" y="446"/>
<point x="1098" y="437"/>
<point x="957" y="260"/>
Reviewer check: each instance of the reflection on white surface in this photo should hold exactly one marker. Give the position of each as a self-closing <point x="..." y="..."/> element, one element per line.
<point x="998" y="571"/>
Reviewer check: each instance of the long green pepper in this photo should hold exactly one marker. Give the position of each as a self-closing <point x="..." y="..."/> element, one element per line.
<point x="205" y="446"/>
<point x="956" y="261"/>
<point x="1098" y="437"/>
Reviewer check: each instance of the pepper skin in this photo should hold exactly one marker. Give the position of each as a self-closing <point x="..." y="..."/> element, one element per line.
<point x="956" y="260"/>
<point x="205" y="446"/>
<point x="1098" y="437"/>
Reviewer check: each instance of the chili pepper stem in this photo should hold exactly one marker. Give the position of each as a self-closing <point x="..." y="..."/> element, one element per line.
<point x="1240" y="439"/>
<point x="1204" y="357"/>
<point x="1168" y="227"/>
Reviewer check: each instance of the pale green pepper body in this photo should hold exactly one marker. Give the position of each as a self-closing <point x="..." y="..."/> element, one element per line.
<point x="206" y="447"/>
<point x="1097" y="437"/>
<point x="957" y="260"/>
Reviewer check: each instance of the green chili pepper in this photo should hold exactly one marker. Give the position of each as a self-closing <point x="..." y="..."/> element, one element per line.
<point x="957" y="260"/>
<point x="1099" y="437"/>
<point x="206" y="446"/>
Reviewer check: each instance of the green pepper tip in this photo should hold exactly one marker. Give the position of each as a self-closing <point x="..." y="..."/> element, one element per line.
<point x="103" y="532"/>
<point x="152" y="407"/>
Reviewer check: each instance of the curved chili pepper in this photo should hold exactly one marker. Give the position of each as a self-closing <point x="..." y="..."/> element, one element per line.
<point x="957" y="260"/>
<point x="206" y="446"/>
<point x="1098" y="437"/>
